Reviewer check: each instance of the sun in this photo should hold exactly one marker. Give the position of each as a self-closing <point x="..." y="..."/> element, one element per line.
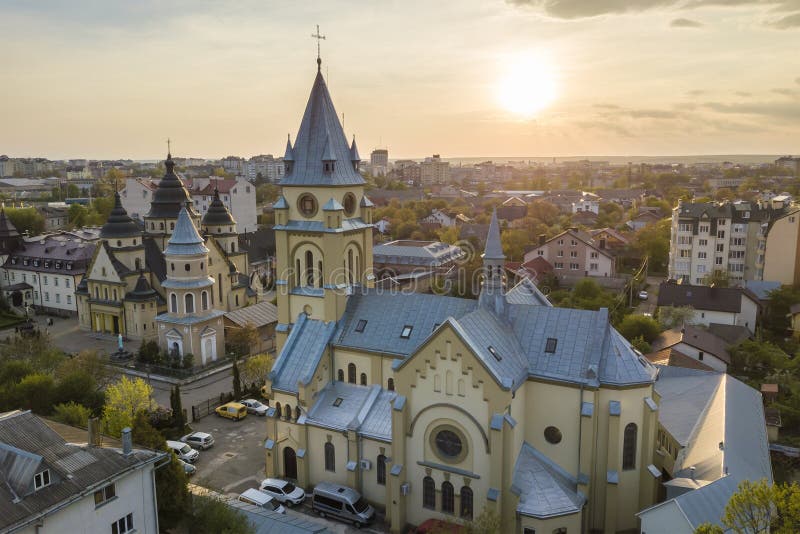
<point x="528" y="86"/>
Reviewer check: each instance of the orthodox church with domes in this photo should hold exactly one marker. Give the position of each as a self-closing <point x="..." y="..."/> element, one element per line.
<point x="171" y="280"/>
<point x="440" y="407"/>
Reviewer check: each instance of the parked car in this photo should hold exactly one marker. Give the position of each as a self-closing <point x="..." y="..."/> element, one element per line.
<point x="254" y="406"/>
<point x="183" y="451"/>
<point x="232" y="410"/>
<point x="283" y="491"/>
<point x="199" y="440"/>
<point x="188" y="468"/>
<point x="341" y="502"/>
<point x="262" y="500"/>
<point x="643" y="295"/>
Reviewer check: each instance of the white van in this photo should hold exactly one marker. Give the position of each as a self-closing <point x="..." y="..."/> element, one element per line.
<point x="343" y="503"/>
<point x="262" y="500"/>
<point x="183" y="451"/>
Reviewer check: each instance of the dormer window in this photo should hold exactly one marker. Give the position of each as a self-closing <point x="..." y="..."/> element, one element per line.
<point x="406" y="333"/>
<point x="551" y="344"/>
<point x="288" y="166"/>
<point x="328" y="166"/>
<point x="362" y="324"/>
<point x="41" y="479"/>
<point x="493" y="352"/>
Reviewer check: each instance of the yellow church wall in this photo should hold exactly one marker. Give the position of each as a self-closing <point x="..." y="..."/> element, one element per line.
<point x="557" y="405"/>
<point x="322" y="195"/>
<point x="315" y="457"/>
<point x="363" y="362"/>
<point x="368" y="479"/>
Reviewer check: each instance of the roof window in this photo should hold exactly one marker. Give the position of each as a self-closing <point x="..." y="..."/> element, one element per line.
<point x="494" y="353"/>
<point x="41" y="479"/>
<point x="551" y="344"/>
<point x="406" y="333"/>
<point x="338" y="402"/>
<point x="362" y="324"/>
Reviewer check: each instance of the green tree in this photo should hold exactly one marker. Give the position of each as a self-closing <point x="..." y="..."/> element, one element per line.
<point x="675" y="316"/>
<point x="256" y="369"/>
<point x="37" y="350"/>
<point x="73" y="191"/>
<point x="26" y="220"/>
<point x="652" y="241"/>
<point x="35" y="392"/>
<point x="80" y="387"/>
<point x="776" y="317"/>
<point x="72" y="414"/>
<point x="77" y="215"/>
<point x="756" y="359"/>
<point x="210" y="515"/>
<point x="639" y="326"/>
<point x="610" y="215"/>
<point x="237" y="381"/>
<point x="760" y="507"/>
<point x="242" y="340"/>
<point x="178" y="421"/>
<point x="124" y="399"/>
<point x="641" y="345"/>
<point x="149" y="352"/>
<point x="717" y="278"/>
<point x="514" y="242"/>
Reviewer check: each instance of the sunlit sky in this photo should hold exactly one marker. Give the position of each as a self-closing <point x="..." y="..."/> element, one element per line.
<point x="108" y="79"/>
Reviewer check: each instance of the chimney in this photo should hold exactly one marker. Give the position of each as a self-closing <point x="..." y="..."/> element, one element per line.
<point x="691" y="472"/>
<point x="542" y="239"/>
<point x="127" y="441"/>
<point x="94" y="432"/>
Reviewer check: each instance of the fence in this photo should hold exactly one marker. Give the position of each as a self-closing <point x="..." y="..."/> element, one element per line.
<point x="208" y="406"/>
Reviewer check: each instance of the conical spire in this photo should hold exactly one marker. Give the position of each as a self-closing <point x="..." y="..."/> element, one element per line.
<point x="119" y="223"/>
<point x="185" y="239"/>
<point x="354" y="156"/>
<point x="320" y="139"/>
<point x="142" y="291"/>
<point x="217" y="214"/>
<point x="289" y="154"/>
<point x="494" y="246"/>
<point x="170" y="196"/>
<point x="7" y="228"/>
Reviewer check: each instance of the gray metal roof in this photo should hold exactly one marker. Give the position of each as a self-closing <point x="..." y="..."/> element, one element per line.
<point x="723" y="299"/>
<point x="320" y="138"/>
<point x="363" y="409"/>
<point x="348" y="225"/>
<point x="260" y="314"/>
<point x="301" y="353"/>
<point x="761" y="288"/>
<point x="185" y="240"/>
<point x="28" y="445"/>
<point x="544" y="488"/>
<point x="268" y="522"/>
<point x="494" y="247"/>
<point x="410" y="252"/>
<point x="526" y="292"/>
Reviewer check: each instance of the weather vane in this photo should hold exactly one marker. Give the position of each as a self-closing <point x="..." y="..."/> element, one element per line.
<point x="318" y="37"/>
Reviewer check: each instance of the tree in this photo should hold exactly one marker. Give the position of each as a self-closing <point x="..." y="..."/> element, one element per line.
<point x="639" y="326"/>
<point x="241" y="340"/>
<point x="717" y="278"/>
<point x="488" y="522"/>
<point x="77" y="215"/>
<point x="514" y="242"/>
<point x="237" y="382"/>
<point x="38" y="350"/>
<point x="26" y="220"/>
<point x="176" y="404"/>
<point x="760" y="507"/>
<point x="35" y="392"/>
<point x="675" y="316"/>
<point x="72" y="414"/>
<point x="652" y="241"/>
<point x="124" y="400"/>
<point x="256" y="369"/>
<point x="80" y="387"/>
<point x="757" y="359"/>
<point x="641" y="345"/>
<point x="776" y="317"/>
<point x="149" y="352"/>
<point x="211" y="515"/>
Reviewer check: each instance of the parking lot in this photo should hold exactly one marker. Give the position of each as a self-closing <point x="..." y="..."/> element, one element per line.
<point x="236" y="463"/>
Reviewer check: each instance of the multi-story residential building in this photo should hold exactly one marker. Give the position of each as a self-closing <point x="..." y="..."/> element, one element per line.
<point x="266" y="167"/>
<point x="75" y="172"/>
<point x="53" y="483"/>
<point x="379" y="162"/>
<point x="238" y="195"/>
<point x="434" y="171"/>
<point x="44" y="273"/>
<point x="7" y="166"/>
<point x="728" y="237"/>
<point x="574" y="253"/>
<point x="781" y="251"/>
<point x="234" y="165"/>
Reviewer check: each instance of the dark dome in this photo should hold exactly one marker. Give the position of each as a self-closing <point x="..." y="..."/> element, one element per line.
<point x="170" y="196"/>
<point x="217" y="214"/>
<point x="142" y="291"/>
<point x="119" y="223"/>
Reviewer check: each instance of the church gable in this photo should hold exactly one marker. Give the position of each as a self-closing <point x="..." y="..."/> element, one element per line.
<point x="103" y="267"/>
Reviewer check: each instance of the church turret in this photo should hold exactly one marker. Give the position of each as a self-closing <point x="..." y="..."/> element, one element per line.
<point x="219" y="223"/>
<point x="288" y="156"/>
<point x="355" y="158"/>
<point x="168" y="199"/>
<point x="124" y="236"/>
<point x="493" y="287"/>
<point x="10" y="239"/>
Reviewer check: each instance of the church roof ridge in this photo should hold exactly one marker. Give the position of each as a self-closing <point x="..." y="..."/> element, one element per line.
<point x="171" y="195"/>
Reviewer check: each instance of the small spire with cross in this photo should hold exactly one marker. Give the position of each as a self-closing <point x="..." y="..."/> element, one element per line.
<point x="318" y="37"/>
<point x="169" y="149"/>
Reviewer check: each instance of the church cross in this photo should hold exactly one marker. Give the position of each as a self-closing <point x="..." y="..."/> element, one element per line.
<point x="169" y="149"/>
<point x="319" y="37"/>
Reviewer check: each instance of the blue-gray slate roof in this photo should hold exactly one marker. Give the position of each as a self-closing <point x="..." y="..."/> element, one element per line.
<point x="363" y="409"/>
<point x="301" y="353"/>
<point x="185" y="239"/>
<point x="494" y="247"/>
<point x="320" y="138"/>
<point x="544" y="488"/>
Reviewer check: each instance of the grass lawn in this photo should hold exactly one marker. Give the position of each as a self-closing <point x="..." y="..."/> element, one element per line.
<point x="6" y="320"/>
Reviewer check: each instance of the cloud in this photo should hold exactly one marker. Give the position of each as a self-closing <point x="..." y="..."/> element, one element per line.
<point x="797" y="81"/>
<point x="686" y="23"/>
<point x="654" y="114"/>
<point x="786" y="23"/>
<point x="744" y="94"/>
<point x="784" y="111"/>
<point x="696" y="92"/>
<point x="605" y="106"/>
<point x="790" y="92"/>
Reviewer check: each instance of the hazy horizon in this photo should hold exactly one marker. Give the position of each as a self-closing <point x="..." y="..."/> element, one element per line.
<point x="106" y="80"/>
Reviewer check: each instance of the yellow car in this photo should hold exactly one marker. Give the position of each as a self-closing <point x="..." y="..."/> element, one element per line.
<point x="232" y="410"/>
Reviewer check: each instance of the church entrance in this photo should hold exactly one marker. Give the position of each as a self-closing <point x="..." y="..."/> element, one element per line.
<point x="116" y="324"/>
<point x="289" y="463"/>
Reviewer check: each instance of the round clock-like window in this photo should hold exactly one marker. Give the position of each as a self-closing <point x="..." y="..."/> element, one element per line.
<point x="307" y="205"/>
<point x="449" y="443"/>
<point x="349" y="204"/>
<point x="552" y="435"/>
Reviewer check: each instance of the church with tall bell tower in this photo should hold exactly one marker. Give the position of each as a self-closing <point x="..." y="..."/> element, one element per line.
<point x="437" y="407"/>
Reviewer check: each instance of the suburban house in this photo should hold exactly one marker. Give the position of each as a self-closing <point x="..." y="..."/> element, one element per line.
<point x="722" y="305"/>
<point x="51" y="483"/>
<point x="574" y="252"/>
<point x="692" y="347"/>
<point x="711" y="435"/>
<point x="439" y="217"/>
<point x="534" y="270"/>
<point x="587" y="202"/>
<point x="512" y="209"/>
<point x="643" y="218"/>
<point x="609" y="239"/>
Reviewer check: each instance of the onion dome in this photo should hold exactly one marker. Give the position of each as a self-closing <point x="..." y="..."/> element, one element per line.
<point x="217" y="214"/>
<point x="185" y="240"/>
<point x="119" y="223"/>
<point x="170" y="196"/>
<point x="143" y="290"/>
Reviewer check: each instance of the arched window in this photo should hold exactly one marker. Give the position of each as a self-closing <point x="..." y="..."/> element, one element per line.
<point x="278" y="410"/>
<point x="96" y="293"/>
<point x="138" y="263"/>
<point x="105" y="293"/>
<point x="309" y="268"/>
<point x="428" y="493"/>
<point x="350" y="266"/>
<point x="363" y="379"/>
<point x="233" y="246"/>
<point x="115" y="294"/>
<point x="448" y="382"/>
<point x="340" y="375"/>
<point x="296" y="412"/>
<point x="351" y="373"/>
<point x="466" y="502"/>
<point x="173" y="303"/>
<point x="297" y="273"/>
<point x="237" y="300"/>
<point x="629" y="447"/>
<point x="330" y="457"/>
<point x="448" y="498"/>
<point x="189" y="298"/>
<point x="319" y="274"/>
<point x="390" y="384"/>
<point x="204" y="299"/>
<point x="380" y="469"/>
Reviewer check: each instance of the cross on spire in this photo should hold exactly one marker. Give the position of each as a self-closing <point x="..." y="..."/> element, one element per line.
<point x="318" y="37"/>
<point x="169" y="148"/>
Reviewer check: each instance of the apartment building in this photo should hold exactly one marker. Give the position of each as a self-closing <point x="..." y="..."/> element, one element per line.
<point x="379" y="162"/>
<point x="782" y="253"/>
<point x="729" y="237"/>
<point x="434" y="171"/>
<point x="268" y="167"/>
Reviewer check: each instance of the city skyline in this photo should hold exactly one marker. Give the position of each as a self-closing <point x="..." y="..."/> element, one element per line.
<point x="506" y="79"/>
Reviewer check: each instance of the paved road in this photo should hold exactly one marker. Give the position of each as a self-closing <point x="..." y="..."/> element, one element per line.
<point x="649" y="305"/>
<point x="236" y="462"/>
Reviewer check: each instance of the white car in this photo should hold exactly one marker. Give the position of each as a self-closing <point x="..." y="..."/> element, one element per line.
<point x="262" y="500"/>
<point x="254" y="406"/>
<point x="283" y="491"/>
<point x="199" y="440"/>
<point x="643" y="295"/>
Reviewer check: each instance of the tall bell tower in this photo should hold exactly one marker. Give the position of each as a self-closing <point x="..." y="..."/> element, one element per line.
<point x="323" y="220"/>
